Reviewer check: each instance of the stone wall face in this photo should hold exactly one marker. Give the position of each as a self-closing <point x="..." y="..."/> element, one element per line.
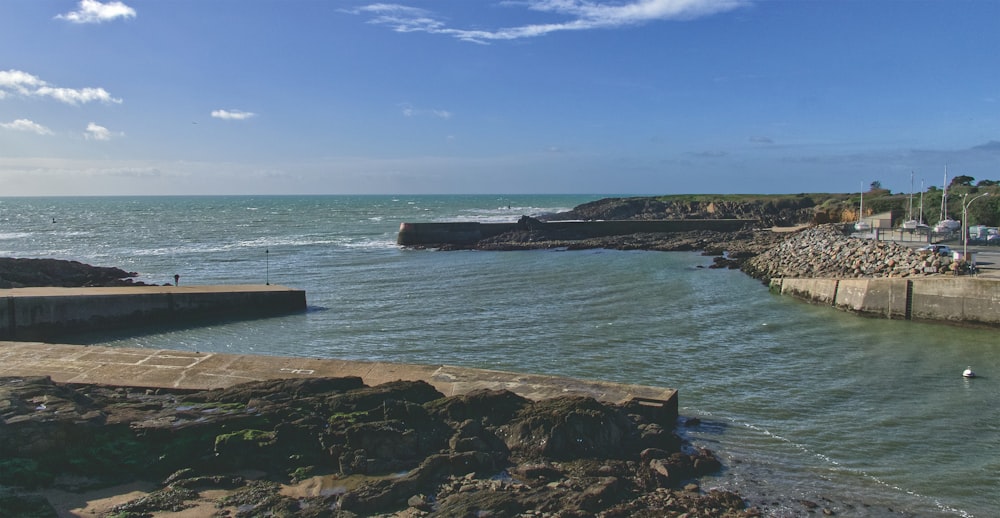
<point x="26" y="315"/>
<point x="965" y="300"/>
<point x="962" y="300"/>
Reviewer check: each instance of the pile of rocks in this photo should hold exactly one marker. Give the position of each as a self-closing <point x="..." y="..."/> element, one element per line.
<point x="825" y="251"/>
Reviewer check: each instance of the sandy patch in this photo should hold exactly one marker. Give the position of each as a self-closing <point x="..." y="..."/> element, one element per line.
<point x="92" y="504"/>
<point x="97" y="503"/>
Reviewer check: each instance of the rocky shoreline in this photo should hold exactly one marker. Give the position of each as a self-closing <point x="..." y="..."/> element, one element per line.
<point x="32" y="273"/>
<point x="808" y="249"/>
<point x="335" y="447"/>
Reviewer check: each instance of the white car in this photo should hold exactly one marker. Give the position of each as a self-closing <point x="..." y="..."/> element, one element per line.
<point x="937" y="249"/>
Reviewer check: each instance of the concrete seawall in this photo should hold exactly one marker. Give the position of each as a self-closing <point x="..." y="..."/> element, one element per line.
<point x="160" y="368"/>
<point x="463" y="233"/>
<point x="957" y="300"/>
<point x="51" y="313"/>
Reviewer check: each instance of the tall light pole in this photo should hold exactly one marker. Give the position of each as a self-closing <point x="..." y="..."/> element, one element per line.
<point x="965" y="223"/>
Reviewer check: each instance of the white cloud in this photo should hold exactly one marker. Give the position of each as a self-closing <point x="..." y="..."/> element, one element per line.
<point x="577" y="15"/>
<point x="17" y="82"/>
<point x="26" y="125"/>
<point x="232" y="115"/>
<point x="92" y="11"/>
<point x="97" y="132"/>
<point x="410" y="111"/>
<point x="71" y="96"/>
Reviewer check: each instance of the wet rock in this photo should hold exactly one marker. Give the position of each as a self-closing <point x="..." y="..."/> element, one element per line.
<point x="490" y="407"/>
<point x="568" y="427"/>
<point x="170" y="498"/>
<point x="16" y="503"/>
<point x="536" y="473"/>
<point x="421" y="503"/>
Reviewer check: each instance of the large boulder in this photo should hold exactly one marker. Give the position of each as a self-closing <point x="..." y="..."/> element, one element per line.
<point x="568" y="427"/>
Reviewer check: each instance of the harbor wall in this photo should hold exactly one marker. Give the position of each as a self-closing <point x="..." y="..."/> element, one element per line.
<point x="50" y="313"/>
<point x="469" y="232"/>
<point x="958" y="300"/>
<point x="201" y="370"/>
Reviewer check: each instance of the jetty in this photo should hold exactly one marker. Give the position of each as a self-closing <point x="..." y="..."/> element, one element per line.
<point x="56" y="313"/>
<point x="200" y="370"/>
<point x="469" y="232"/>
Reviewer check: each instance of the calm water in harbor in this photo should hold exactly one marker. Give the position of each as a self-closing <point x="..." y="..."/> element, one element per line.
<point x="800" y="401"/>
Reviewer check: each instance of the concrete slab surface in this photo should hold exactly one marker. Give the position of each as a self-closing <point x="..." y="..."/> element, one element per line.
<point x="161" y="368"/>
<point x="133" y="290"/>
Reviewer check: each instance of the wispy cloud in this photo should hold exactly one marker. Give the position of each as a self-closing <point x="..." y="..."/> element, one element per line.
<point x="709" y="154"/>
<point x="758" y="139"/>
<point x="992" y="146"/>
<point x="26" y="126"/>
<point x="97" y="132"/>
<point x="576" y="15"/>
<point x="19" y="83"/>
<point x="410" y="111"/>
<point x="233" y="115"/>
<point x="92" y="11"/>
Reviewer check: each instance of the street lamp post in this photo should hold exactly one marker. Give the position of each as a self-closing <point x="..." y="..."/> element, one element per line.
<point x="965" y="223"/>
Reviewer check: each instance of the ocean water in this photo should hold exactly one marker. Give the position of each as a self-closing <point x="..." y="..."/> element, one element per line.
<point x="802" y="403"/>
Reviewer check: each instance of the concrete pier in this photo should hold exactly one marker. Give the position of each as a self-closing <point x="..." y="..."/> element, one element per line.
<point x="156" y="368"/>
<point x="463" y="233"/>
<point x="53" y="313"/>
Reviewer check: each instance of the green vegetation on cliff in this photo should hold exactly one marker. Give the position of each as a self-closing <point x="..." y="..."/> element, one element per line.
<point x="796" y="209"/>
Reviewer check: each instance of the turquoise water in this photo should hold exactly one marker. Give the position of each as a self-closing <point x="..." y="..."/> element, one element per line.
<point x="800" y="401"/>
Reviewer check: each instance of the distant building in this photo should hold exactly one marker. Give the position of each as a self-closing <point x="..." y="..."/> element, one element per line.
<point x="882" y="220"/>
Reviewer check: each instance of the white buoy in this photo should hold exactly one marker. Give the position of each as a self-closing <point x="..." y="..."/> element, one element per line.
<point x="968" y="373"/>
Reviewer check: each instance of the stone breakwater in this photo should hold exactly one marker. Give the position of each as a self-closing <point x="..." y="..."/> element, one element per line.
<point x="824" y="251"/>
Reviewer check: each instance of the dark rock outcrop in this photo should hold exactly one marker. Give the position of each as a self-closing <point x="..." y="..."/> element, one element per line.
<point x="26" y="273"/>
<point x="405" y="447"/>
<point x="788" y="211"/>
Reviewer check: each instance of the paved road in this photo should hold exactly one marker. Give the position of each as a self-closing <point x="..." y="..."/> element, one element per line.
<point x="987" y="257"/>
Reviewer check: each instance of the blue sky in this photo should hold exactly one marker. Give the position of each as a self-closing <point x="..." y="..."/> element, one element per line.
<point x="101" y="97"/>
